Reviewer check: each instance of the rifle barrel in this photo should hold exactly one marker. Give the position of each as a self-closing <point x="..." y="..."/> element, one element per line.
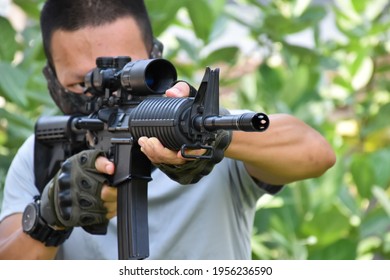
<point x="244" y="122"/>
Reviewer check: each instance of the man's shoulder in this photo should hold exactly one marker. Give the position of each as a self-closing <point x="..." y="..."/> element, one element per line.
<point x="26" y="150"/>
<point x="28" y="144"/>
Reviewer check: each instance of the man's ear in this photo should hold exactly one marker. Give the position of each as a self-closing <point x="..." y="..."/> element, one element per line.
<point x="157" y="49"/>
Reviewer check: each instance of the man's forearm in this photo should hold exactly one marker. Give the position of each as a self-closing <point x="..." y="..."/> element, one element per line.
<point x="288" y="151"/>
<point x="15" y="244"/>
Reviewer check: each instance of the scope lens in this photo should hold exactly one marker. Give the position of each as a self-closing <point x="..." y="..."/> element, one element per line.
<point x="148" y="77"/>
<point x="159" y="75"/>
<point x="150" y="80"/>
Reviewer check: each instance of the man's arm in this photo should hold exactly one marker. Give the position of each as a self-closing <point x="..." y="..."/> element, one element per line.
<point x="15" y="244"/>
<point x="288" y="151"/>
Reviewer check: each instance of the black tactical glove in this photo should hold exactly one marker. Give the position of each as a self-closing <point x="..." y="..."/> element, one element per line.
<point x="192" y="171"/>
<point x="72" y="197"/>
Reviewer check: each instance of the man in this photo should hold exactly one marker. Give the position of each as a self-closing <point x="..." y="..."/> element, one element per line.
<point x="210" y="218"/>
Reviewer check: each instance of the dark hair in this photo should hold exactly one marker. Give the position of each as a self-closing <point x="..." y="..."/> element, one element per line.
<point x="71" y="15"/>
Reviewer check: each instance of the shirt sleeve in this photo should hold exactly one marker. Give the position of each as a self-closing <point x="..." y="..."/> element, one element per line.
<point x="268" y="188"/>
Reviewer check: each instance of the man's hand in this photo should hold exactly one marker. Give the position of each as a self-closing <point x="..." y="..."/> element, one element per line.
<point x="157" y="153"/>
<point x="109" y="193"/>
<point x="181" y="89"/>
<point x="79" y="194"/>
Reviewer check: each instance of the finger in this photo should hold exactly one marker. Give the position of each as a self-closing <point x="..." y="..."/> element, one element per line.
<point x="157" y="153"/>
<point x="102" y="164"/>
<point x="111" y="209"/>
<point x="109" y="194"/>
<point x="109" y="197"/>
<point x="181" y="89"/>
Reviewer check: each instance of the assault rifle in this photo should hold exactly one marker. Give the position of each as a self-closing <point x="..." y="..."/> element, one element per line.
<point x="128" y="103"/>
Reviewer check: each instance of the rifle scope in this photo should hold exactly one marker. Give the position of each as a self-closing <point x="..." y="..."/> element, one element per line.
<point x="139" y="78"/>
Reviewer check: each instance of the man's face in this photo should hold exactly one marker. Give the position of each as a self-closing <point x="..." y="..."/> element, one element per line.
<point x="75" y="52"/>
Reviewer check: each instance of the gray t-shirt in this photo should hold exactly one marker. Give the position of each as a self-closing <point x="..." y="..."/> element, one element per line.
<point x="212" y="219"/>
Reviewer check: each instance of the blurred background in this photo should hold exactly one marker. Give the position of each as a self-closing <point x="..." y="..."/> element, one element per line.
<point x="326" y="62"/>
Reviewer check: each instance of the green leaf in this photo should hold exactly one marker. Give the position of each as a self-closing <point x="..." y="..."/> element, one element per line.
<point x="271" y="78"/>
<point x="327" y="225"/>
<point x="18" y="121"/>
<point x="363" y="174"/>
<point x="286" y="26"/>
<point x="380" y="160"/>
<point x="343" y="249"/>
<point x="254" y="23"/>
<point x="359" y="6"/>
<point x="8" y="45"/>
<point x="163" y="13"/>
<point x="225" y="54"/>
<point x="378" y="122"/>
<point x="31" y="7"/>
<point x="12" y="84"/>
<point x="189" y="47"/>
<point x="202" y="18"/>
<point x="217" y="5"/>
<point x="376" y="222"/>
<point x="379" y="29"/>
<point x="312" y="16"/>
<point x="383" y="199"/>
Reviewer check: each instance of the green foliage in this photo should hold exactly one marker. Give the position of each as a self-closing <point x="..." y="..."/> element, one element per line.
<point x="339" y="85"/>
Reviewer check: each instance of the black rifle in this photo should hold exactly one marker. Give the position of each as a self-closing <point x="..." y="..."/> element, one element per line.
<point x="127" y="105"/>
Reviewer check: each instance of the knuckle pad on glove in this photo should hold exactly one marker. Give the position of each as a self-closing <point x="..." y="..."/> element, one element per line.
<point x="64" y="194"/>
<point x="78" y="190"/>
